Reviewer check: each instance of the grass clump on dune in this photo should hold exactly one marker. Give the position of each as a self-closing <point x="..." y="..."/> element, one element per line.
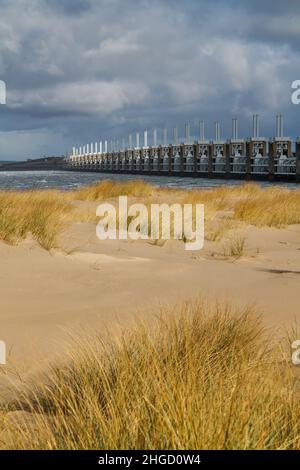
<point x="273" y="207"/>
<point x="39" y="213"/>
<point x="198" y="378"/>
<point x="109" y="189"/>
<point x="223" y="197"/>
<point x="251" y="203"/>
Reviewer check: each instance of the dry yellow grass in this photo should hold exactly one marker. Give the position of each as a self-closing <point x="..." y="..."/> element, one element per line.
<point x="234" y="247"/>
<point x="223" y="197"/>
<point x="39" y="213"/>
<point x="216" y="228"/>
<point x="250" y="203"/>
<point x="109" y="189"/>
<point x="273" y="207"/>
<point x="43" y="213"/>
<point x="198" y="378"/>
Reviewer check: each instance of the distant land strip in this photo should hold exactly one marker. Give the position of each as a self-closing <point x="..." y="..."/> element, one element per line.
<point x="45" y="163"/>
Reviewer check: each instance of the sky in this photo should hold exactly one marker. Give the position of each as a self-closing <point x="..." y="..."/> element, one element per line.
<point x="78" y="71"/>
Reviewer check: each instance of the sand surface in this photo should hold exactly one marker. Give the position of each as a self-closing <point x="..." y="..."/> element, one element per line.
<point x="87" y="285"/>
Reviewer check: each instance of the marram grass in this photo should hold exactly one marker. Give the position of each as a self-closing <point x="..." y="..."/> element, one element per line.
<point x="44" y="214"/>
<point x="39" y="213"/>
<point x="199" y="377"/>
<point x="109" y="189"/>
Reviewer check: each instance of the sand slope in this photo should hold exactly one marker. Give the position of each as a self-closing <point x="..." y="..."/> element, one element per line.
<point x="87" y="284"/>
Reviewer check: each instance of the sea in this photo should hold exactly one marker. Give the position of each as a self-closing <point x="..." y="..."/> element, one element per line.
<point x="68" y="180"/>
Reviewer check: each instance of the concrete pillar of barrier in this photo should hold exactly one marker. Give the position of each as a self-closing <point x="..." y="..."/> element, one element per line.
<point x="227" y="160"/>
<point x="182" y="160"/>
<point x="117" y="157"/>
<point x="298" y="160"/>
<point x="196" y="153"/>
<point x="171" y="156"/>
<point x="264" y="149"/>
<point x="160" y="157"/>
<point x="152" y="159"/>
<point x="211" y="150"/>
<point x="272" y="151"/>
<point x="126" y="160"/>
<point x="249" y="153"/>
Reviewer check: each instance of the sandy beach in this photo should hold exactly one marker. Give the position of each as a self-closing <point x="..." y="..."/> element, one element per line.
<point x="86" y="284"/>
<point x="65" y="294"/>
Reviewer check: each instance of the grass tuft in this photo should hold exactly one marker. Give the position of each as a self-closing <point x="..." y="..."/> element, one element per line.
<point x="109" y="189"/>
<point x="39" y="213"/>
<point x="234" y="247"/>
<point x="273" y="207"/>
<point x="198" y="378"/>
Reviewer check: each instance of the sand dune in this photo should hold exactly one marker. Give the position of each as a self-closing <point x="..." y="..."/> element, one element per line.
<point x="87" y="284"/>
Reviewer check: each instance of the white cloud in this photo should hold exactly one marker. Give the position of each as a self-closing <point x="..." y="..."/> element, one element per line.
<point x="2" y="92"/>
<point x="89" y="97"/>
<point x="114" y="46"/>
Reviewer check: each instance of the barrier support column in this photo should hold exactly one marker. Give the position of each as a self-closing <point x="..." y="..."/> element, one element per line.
<point x="272" y="149"/>
<point x="227" y="160"/>
<point x="210" y="160"/>
<point x="171" y="156"/>
<point x="196" y="153"/>
<point x="159" y="158"/>
<point x="181" y="159"/>
<point x="249" y="153"/>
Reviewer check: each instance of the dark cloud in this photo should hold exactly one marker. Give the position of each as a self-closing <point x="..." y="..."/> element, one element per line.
<point x="69" y="7"/>
<point x="267" y="6"/>
<point x="78" y="70"/>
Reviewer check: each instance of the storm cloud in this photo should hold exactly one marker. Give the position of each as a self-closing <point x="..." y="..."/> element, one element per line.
<point x="80" y="70"/>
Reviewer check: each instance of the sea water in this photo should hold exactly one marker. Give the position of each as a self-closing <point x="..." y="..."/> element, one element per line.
<point x="65" y="180"/>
